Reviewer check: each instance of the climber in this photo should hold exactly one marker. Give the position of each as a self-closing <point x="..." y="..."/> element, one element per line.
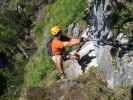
<point x="57" y="48"/>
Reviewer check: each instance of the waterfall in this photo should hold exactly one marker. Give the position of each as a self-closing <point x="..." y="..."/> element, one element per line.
<point x="98" y="46"/>
<point x="102" y="16"/>
<point x="102" y="12"/>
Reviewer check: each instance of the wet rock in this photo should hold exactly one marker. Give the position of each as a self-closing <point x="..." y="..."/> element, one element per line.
<point x="122" y="39"/>
<point x="118" y="74"/>
<point x="87" y="54"/>
<point x="125" y="69"/>
<point x="2" y="3"/>
<point x="74" y="30"/>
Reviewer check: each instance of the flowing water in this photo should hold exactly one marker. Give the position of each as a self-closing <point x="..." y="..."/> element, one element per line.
<point x="102" y="16"/>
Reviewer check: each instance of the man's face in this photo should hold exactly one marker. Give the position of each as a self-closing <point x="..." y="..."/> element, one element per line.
<point x="59" y="35"/>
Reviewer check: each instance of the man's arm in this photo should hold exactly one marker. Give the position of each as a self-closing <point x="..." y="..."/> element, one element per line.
<point x="71" y="42"/>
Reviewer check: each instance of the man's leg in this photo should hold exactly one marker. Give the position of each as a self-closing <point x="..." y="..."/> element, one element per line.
<point x="59" y="64"/>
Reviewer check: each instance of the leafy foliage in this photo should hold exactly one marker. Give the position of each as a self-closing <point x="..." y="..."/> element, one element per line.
<point x="15" y="26"/>
<point x="40" y="69"/>
<point x="123" y="18"/>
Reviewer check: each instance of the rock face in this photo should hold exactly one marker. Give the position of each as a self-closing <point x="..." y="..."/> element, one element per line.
<point x="87" y="87"/>
<point x="98" y="49"/>
<point x="124" y="59"/>
<point x="114" y="58"/>
<point x="102" y="16"/>
<point x="74" y="30"/>
<point x="74" y="69"/>
<point x="2" y="3"/>
<point x="87" y="54"/>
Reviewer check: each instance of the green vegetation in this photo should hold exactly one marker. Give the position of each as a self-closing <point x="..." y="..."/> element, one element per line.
<point x="123" y="19"/>
<point x="88" y="87"/>
<point x="122" y="23"/>
<point x="40" y="69"/>
<point x="17" y="44"/>
<point x="62" y="13"/>
<point x="14" y="48"/>
<point x="26" y="66"/>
